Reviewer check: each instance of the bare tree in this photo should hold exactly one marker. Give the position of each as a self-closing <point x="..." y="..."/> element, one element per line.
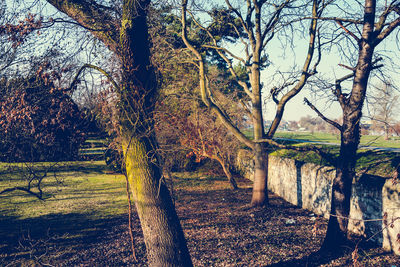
<point x="254" y="26"/>
<point x="384" y="108"/>
<point x="366" y="30"/>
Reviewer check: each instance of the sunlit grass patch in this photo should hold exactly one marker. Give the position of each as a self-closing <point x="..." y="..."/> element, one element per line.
<point x="366" y="140"/>
<point x="82" y="187"/>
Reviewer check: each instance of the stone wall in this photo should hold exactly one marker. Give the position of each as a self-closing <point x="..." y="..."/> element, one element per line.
<point x="309" y="186"/>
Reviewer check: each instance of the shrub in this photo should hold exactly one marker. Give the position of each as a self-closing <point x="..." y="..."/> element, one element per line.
<point x="38" y="122"/>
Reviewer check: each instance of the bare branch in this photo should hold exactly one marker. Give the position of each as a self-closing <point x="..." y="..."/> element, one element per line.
<point x="92" y="16"/>
<point x="382" y="19"/>
<point x="246" y="45"/>
<point x="226" y="51"/>
<point x="246" y="24"/>
<point x="331" y="122"/>
<point x="203" y="84"/>
<point x="338" y="88"/>
<point x="347" y="67"/>
<point x="348" y="32"/>
<point x="273" y="20"/>
<point x="109" y="77"/>
<point x="337" y="19"/>
<point x="226" y="59"/>
<point x="303" y="78"/>
<point x="393" y="25"/>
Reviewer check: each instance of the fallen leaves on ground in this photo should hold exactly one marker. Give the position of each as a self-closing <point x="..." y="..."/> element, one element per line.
<point x="222" y="229"/>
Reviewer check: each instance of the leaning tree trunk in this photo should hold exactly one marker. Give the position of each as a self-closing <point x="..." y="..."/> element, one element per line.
<point x="163" y="235"/>
<point x="164" y="239"/>
<point x="228" y="174"/>
<point x="137" y="92"/>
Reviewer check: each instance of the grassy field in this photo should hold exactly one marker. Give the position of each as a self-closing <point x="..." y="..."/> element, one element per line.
<point x="379" y="163"/>
<point x="366" y="140"/>
<point x="85" y="186"/>
<point x="371" y="162"/>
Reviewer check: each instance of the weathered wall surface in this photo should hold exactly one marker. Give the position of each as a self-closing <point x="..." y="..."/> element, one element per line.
<point x="375" y="202"/>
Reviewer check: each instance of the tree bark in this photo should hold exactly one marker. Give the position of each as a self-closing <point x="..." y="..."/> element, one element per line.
<point x="164" y="238"/>
<point x="260" y="188"/>
<point x="260" y="184"/>
<point x="228" y="173"/>
<point x="163" y="235"/>
<point x="337" y="233"/>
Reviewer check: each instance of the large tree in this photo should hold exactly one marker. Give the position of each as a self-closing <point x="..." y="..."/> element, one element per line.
<point x="367" y="30"/>
<point x="254" y="24"/>
<point x="124" y="30"/>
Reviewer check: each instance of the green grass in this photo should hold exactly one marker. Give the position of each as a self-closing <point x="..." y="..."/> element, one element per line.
<point x="372" y="162"/>
<point x="96" y="141"/>
<point x="366" y="140"/>
<point x="85" y="186"/>
<point x="92" y="151"/>
<point x="80" y="209"/>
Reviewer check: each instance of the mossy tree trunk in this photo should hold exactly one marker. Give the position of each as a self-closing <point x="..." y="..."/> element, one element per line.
<point x="163" y="235"/>
<point x="164" y="239"/>
<point x="165" y="242"/>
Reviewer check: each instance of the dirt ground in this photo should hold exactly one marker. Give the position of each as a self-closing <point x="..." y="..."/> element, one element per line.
<point x="221" y="228"/>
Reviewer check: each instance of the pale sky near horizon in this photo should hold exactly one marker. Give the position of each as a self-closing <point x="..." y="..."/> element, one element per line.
<point x="296" y="108"/>
<point x="329" y="68"/>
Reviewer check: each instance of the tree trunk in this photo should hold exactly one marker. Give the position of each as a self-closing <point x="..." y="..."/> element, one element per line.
<point x="387" y="130"/>
<point x="260" y="189"/>
<point x="163" y="235"/>
<point x="336" y="235"/>
<point x="228" y="173"/>
<point x="137" y="93"/>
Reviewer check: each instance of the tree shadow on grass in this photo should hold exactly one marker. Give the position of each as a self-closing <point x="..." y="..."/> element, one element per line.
<point x="60" y="239"/>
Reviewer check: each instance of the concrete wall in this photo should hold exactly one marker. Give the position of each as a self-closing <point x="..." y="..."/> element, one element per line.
<point x="309" y="186"/>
